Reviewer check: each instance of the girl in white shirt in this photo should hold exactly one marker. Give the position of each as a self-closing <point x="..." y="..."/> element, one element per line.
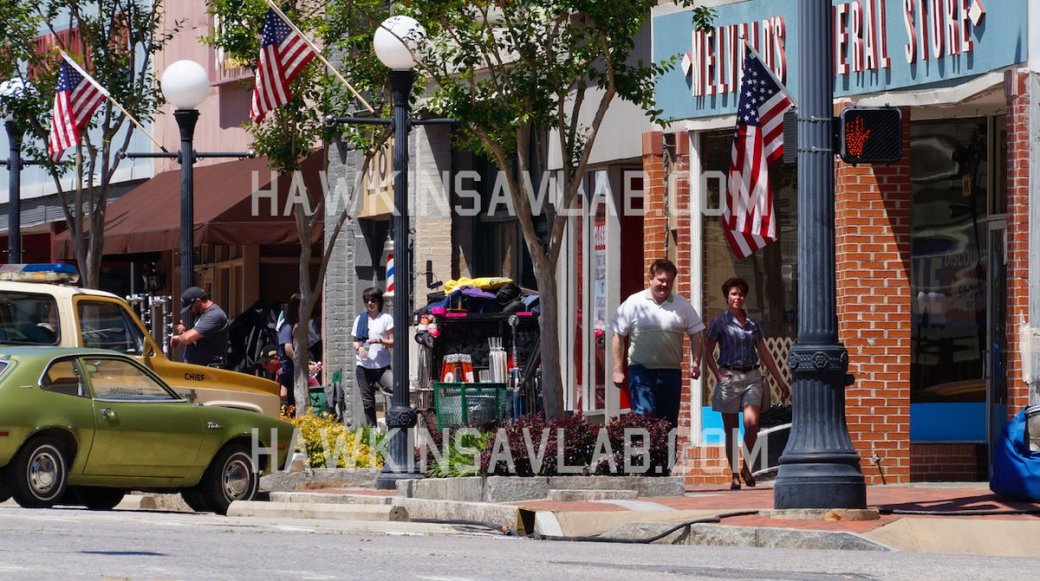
<point x="373" y="339"/>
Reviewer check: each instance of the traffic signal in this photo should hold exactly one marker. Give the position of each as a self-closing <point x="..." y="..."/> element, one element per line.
<point x="871" y="135"/>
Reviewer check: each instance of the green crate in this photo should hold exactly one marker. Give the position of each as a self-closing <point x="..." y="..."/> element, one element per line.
<point x="460" y="404"/>
<point x="317" y="401"/>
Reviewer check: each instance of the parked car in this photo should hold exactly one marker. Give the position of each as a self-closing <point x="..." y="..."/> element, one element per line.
<point x="84" y="426"/>
<point x="39" y="305"/>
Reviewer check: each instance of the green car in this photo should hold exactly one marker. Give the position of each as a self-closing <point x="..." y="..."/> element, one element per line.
<point x="83" y="426"/>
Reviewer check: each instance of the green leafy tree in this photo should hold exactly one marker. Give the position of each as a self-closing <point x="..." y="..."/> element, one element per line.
<point x="119" y="38"/>
<point x="292" y="132"/>
<point x="517" y="74"/>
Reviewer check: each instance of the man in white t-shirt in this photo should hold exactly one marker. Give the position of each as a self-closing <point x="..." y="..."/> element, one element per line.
<point x="654" y="322"/>
<point x="373" y="339"/>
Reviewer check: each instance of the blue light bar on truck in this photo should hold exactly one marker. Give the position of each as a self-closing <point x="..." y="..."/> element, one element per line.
<point x="57" y="272"/>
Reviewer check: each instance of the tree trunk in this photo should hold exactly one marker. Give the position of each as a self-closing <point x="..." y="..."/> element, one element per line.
<point x="301" y="367"/>
<point x="552" y="381"/>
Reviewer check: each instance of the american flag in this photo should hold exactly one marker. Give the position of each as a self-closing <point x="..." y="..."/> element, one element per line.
<point x="749" y="221"/>
<point x="76" y="97"/>
<point x="283" y="54"/>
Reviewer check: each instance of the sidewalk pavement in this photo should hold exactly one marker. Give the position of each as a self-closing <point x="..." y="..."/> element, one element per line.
<point x="744" y="517"/>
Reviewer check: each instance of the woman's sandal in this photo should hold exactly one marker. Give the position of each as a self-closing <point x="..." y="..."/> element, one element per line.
<point x="747" y="476"/>
<point x="735" y="483"/>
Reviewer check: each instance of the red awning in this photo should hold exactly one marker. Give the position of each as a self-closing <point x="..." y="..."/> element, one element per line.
<point x="147" y="219"/>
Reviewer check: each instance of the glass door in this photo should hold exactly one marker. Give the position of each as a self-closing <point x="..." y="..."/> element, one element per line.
<point x="996" y="333"/>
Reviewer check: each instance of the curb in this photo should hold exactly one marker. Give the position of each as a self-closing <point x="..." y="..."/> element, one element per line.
<point x="326" y="511"/>
<point x="331" y="498"/>
<point x="779" y="538"/>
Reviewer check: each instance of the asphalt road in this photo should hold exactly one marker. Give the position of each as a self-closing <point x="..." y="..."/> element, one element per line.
<point x="140" y="545"/>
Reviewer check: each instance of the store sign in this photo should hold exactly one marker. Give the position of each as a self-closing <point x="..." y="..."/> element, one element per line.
<point x="377" y="187"/>
<point x="878" y="45"/>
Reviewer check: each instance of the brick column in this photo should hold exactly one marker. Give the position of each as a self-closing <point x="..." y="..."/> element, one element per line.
<point x="655" y="220"/>
<point x="872" y="228"/>
<point x="1018" y="136"/>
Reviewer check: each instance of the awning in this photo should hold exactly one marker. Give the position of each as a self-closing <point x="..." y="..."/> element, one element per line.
<point x="234" y="203"/>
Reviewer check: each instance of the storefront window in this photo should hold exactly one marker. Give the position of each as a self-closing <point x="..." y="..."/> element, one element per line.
<point x="948" y="254"/>
<point x="772" y="272"/>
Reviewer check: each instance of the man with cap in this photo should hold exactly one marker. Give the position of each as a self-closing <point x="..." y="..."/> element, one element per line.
<point x="205" y="341"/>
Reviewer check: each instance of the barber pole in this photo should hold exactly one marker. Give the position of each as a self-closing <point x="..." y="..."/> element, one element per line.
<point x="389" y="276"/>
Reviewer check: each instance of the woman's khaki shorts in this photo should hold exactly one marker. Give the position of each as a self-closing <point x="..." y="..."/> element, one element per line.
<point x="737" y="390"/>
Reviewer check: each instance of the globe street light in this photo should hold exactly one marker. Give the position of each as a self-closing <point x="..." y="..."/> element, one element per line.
<point x="396" y="42"/>
<point x="185" y="84"/>
<point x="391" y="48"/>
<point x="12" y="90"/>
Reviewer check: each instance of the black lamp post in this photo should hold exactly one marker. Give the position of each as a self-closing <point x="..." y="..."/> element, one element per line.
<point x="819" y="467"/>
<point x="14" y="89"/>
<point x="185" y="84"/>
<point x="390" y="47"/>
<point x="14" y="190"/>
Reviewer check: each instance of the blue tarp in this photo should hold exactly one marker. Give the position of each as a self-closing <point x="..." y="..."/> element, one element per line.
<point x="1016" y="470"/>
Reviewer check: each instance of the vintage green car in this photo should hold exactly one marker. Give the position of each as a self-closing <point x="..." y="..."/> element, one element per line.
<point x="83" y="426"/>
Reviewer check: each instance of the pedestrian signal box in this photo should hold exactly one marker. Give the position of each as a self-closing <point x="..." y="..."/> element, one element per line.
<point x="871" y="135"/>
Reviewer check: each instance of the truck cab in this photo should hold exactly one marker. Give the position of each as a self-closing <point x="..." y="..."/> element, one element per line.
<point x="38" y="313"/>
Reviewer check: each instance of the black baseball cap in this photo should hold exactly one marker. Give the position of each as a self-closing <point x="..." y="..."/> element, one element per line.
<point x="192" y="294"/>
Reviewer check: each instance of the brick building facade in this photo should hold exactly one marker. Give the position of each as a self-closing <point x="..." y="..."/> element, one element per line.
<point x="932" y="252"/>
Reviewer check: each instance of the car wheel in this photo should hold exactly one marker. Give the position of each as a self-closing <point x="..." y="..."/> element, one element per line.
<point x="39" y="473"/>
<point x="5" y="491"/>
<point x="97" y="498"/>
<point x="232" y="476"/>
<point x="196" y="500"/>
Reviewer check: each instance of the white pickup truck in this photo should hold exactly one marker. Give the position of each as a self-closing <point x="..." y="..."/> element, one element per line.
<point x="40" y="313"/>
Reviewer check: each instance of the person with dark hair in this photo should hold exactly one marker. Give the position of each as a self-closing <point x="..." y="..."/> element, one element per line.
<point x="205" y="336"/>
<point x="287" y="351"/>
<point x="654" y="321"/>
<point x="373" y="339"/>
<point x="739" y="385"/>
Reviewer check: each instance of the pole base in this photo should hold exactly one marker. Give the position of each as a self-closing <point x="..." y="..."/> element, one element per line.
<point x="819" y="486"/>
<point x="388" y="480"/>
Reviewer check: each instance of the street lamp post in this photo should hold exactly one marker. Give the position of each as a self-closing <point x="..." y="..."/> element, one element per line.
<point x="185" y="84"/>
<point x="14" y="190"/>
<point x="819" y="468"/>
<point x="14" y="89"/>
<point x="394" y="43"/>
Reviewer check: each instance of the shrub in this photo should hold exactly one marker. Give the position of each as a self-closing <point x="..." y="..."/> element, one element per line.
<point x="647" y="441"/>
<point x="461" y="454"/>
<point x="532" y="435"/>
<point x="329" y="444"/>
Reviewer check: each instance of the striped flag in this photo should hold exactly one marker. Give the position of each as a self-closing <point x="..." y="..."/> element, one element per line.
<point x="76" y="97"/>
<point x="283" y="54"/>
<point x="749" y="221"/>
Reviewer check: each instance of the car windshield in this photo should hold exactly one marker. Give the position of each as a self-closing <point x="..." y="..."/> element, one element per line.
<point x="28" y="319"/>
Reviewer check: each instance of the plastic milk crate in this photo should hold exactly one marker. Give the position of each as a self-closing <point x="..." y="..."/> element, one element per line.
<point x="460" y="404"/>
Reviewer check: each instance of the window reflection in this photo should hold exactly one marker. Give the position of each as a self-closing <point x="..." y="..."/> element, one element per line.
<point x="771" y="272"/>
<point x="948" y="248"/>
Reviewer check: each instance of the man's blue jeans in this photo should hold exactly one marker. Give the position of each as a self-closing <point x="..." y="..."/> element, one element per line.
<point x="655" y="392"/>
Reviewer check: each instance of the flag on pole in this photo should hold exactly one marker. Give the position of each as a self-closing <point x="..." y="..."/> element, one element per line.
<point x="76" y="97"/>
<point x="283" y="54"/>
<point x="749" y="221"/>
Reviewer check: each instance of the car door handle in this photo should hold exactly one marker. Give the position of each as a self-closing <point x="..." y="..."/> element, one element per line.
<point x="108" y="413"/>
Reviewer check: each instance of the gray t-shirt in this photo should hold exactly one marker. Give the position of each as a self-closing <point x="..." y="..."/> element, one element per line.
<point x="211" y="349"/>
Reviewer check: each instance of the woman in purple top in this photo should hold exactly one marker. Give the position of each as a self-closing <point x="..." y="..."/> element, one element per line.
<point x="738" y="381"/>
